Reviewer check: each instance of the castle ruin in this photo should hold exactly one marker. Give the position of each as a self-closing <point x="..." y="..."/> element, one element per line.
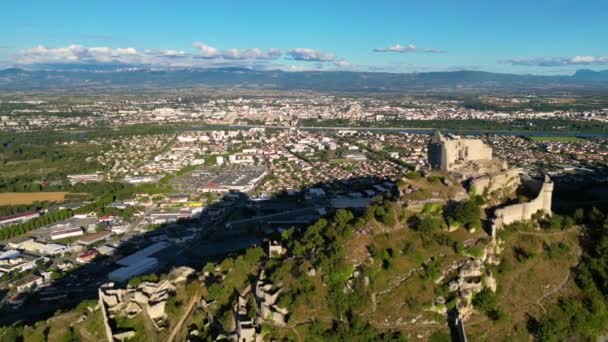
<point x="523" y="211"/>
<point x="453" y="153"/>
<point x="471" y="161"/>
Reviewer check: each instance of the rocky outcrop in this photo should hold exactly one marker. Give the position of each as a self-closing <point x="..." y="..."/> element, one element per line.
<point x="275" y="249"/>
<point x="245" y="326"/>
<point x="150" y="297"/>
<point x="266" y="295"/>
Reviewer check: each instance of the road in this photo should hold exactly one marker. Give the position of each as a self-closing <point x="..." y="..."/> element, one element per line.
<point x="420" y="130"/>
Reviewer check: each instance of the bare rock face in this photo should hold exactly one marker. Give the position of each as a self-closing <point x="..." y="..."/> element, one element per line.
<point x="156" y="311"/>
<point x="267" y="295"/>
<point x="147" y="296"/>
<point x="490" y="282"/>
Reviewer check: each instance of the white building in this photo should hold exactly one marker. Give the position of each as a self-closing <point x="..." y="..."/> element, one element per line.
<point x="65" y="233"/>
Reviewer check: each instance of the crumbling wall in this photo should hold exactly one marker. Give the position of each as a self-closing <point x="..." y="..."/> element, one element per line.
<point x="524" y="211"/>
<point x="448" y="153"/>
<point x="104" y="313"/>
<point x="507" y="180"/>
<point x="461" y="151"/>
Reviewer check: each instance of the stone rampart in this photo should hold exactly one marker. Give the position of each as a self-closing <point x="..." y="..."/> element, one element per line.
<point x="524" y="211"/>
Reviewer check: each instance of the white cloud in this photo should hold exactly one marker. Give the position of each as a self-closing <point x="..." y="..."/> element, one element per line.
<point x="343" y="64"/>
<point x="310" y="55"/>
<point x="201" y="56"/>
<point x="77" y="54"/>
<point x="410" y="48"/>
<point x="206" y="51"/>
<point x="397" y="48"/>
<point x="173" y="53"/>
<point x="254" y="53"/>
<point x="556" y="61"/>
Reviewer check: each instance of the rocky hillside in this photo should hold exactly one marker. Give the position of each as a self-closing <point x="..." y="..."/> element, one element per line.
<point x="402" y="269"/>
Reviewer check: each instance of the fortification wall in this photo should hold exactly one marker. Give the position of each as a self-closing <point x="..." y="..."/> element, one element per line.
<point x="524" y="211"/>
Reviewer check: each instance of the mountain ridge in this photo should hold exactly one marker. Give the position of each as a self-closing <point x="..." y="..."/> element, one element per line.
<point x="23" y="79"/>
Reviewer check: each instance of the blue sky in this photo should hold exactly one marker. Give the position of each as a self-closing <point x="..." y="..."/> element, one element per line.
<point x="532" y="36"/>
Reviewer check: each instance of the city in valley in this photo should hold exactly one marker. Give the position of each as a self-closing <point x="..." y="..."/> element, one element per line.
<point x="249" y="171"/>
<point x="138" y="211"/>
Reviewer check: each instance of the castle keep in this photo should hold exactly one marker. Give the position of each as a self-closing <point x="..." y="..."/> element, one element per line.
<point x="450" y="154"/>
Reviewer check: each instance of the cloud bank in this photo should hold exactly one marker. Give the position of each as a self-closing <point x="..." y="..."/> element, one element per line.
<point x="409" y="48"/>
<point x="556" y="61"/>
<point x="209" y="52"/>
<point x="200" y="56"/>
<point x="310" y="55"/>
<point x="77" y="54"/>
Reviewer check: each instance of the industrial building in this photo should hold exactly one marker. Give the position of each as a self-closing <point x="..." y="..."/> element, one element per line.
<point x="18" y="218"/>
<point x="237" y="179"/>
<point x="87" y="256"/>
<point x="34" y="246"/>
<point x="93" y="238"/>
<point x="138" y="263"/>
<point x="138" y="267"/>
<point x="85" y="178"/>
<point x="143" y="253"/>
<point x="26" y="283"/>
<point x="66" y="233"/>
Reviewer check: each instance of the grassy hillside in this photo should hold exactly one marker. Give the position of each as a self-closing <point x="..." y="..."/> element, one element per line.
<point x="385" y="274"/>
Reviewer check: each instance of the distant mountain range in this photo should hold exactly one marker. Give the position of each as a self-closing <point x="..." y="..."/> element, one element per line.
<point x="348" y="81"/>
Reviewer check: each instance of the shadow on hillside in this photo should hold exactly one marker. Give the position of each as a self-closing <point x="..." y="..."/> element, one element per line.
<point x="231" y="224"/>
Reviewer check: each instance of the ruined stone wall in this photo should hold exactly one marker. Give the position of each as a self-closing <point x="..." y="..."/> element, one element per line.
<point x="475" y="149"/>
<point x="507" y="180"/>
<point x="460" y="151"/>
<point x="104" y="313"/>
<point x="524" y="211"/>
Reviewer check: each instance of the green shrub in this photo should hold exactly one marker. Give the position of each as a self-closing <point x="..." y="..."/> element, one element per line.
<point x="485" y="300"/>
<point x="413" y="175"/>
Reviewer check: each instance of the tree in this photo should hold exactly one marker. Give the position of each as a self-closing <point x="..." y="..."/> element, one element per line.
<point x="556" y="221"/>
<point x="343" y="217"/>
<point x="253" y="255"/>
<point x="389" y="218"/>
<point x="440" y="336"/>
<point x="579" y="215"/>
<point x="595" y="216"/>
<point x="467" y="213"/>
<point x="568" y="222"/>
<point x="428" y="225"/>
<point x="485" y="300"/>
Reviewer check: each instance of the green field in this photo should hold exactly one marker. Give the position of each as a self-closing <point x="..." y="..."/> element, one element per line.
<point x="556" y="139"/>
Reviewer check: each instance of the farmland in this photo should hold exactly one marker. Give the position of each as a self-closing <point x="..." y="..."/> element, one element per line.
<point x="556" y="139"/>
<point x="19" y="198"/>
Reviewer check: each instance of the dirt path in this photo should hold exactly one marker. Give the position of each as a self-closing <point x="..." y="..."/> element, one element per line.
<point x="576" y="229"/>
<point x="395" y="283"/>
<point x="553" y="291"/>
<point x="559" y="287"/>
<point x="87" y="336"/>
<point x="181" y="321"/>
